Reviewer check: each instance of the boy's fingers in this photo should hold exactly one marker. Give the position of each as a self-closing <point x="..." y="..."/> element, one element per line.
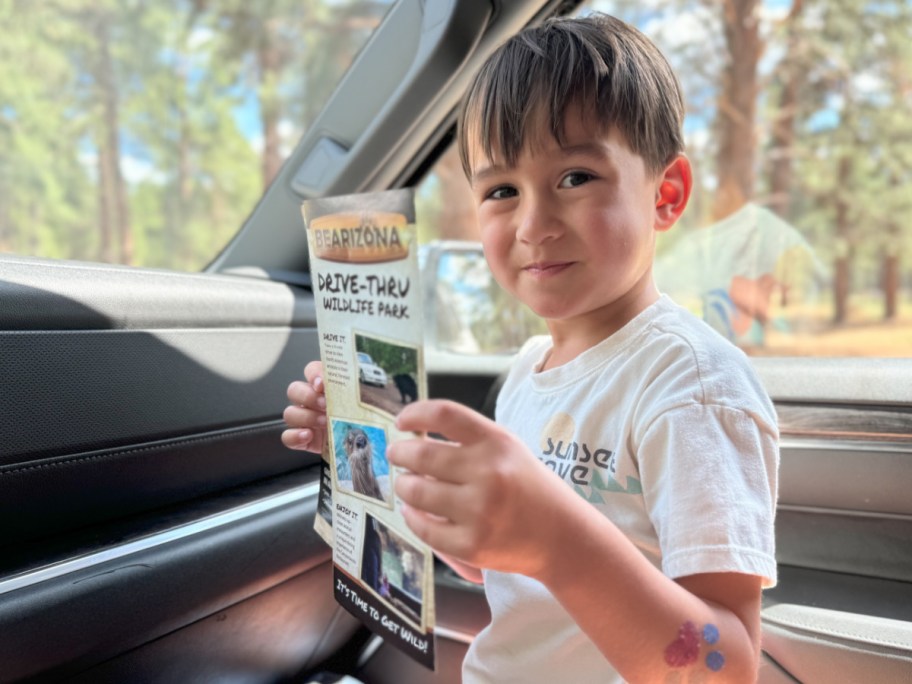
<point x="298" y="417"/>
<point x="429" y="457"/>
<point x="313" y="372"/>
<point x="438" y="498"/>
<point x="445" y="537"/>
<point x="303" y="394"/>
<point x="455" y="421"/>
<point x="302" y="440"/>
<point x="436" y="532"/>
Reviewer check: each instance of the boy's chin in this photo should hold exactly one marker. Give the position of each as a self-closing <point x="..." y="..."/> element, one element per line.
<point x="550" y="315"/>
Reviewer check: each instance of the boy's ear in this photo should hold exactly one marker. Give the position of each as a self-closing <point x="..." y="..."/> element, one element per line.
<point x="673" y="188"/>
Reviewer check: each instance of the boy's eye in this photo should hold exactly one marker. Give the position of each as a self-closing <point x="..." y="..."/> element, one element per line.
<point x="501" y="192"/>
<point x="575" y="178"/>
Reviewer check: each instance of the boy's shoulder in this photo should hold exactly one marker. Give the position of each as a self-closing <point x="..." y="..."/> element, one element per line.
<point x="696" y="360"/>
<point x="665" y="329"/>
<point x="678" y="326"/>
<point x="666" y="353"/>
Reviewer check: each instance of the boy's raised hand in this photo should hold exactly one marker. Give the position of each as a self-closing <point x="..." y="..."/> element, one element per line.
<point x="482" y="498"/>
<point x="306" y="416"/>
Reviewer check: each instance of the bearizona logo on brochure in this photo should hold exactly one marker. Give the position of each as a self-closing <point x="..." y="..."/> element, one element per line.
<point x="364" y="266"/>
<point x="367" y="228"/>
<point x="363" y="237"/>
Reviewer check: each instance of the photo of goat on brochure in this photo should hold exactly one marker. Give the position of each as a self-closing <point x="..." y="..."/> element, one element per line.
<point x="388" y="374"/>
<point x="362" y="468"/>
<point x="394" y="569"/>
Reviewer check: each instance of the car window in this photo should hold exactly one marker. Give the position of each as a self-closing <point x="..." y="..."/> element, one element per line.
<point x="798" y="127"/>
<point x="144" y="133"/>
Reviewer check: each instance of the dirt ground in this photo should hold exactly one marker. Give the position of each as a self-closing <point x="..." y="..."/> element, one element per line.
<point x="875" y="339"/>
<point x="878" y="340"/>
<point x="385" y="398"/>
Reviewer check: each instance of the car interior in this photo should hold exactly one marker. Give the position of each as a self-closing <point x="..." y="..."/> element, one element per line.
<point x="153" y="528"/>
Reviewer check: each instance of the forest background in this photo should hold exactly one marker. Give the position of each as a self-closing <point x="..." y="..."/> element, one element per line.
<point x="143" y="132"/>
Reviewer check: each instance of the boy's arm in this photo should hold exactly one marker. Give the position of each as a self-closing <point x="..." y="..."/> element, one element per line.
<point x="646" y="624"/>
<point x="485" y="499"/>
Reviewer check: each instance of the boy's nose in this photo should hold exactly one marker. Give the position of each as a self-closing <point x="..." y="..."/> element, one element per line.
<point x="538" y="221"/>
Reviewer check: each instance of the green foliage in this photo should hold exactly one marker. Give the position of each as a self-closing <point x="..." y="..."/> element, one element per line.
<point x="193" y="95"/>
<point x="393" y="358"/>
<point x="853" y="115"/>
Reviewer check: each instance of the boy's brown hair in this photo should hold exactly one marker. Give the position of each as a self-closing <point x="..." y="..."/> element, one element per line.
<point x="610" y="69"/>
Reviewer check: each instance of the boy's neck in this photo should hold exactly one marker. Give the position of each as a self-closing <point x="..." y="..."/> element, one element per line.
<point x="572" y="337"/>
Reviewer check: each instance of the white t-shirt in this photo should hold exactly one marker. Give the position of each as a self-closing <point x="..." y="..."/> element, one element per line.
<point x="665" y="429"/>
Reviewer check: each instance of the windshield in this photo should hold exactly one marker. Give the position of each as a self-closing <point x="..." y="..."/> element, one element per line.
<point x="143" y="133"/>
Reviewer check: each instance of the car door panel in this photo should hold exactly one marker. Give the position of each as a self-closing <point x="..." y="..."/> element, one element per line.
<point x="842" y="610"/>
<point x="143" y="485"/>
<point x="134" y="582"/>
<point x="113" y="406"/>
<point x="238" y="644"/>
<point x="818" y="645"/>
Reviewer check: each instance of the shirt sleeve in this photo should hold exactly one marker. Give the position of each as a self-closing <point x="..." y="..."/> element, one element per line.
<point x="709" y="477"/>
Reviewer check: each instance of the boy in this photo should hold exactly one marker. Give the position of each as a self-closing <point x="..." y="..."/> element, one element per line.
<point x="621" y="508"/>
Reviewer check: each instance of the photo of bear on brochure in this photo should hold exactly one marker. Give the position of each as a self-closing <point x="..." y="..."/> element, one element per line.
<point x="364" y="266"/>
<point x="387" y="373"/>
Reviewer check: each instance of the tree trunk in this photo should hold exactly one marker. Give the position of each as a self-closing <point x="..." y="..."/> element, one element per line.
<point x="783" y="134"/>
<point x="184" y="172"/>
<point x="737" y="107"/>
<point x="182" y="208"/>
<point x="891" y="260"/>
<point x="842" y="272"/>
<point x="270" y="63"/>
<point x="105" y="195"/>
<point x="891" y="281"/>
<point x="116" y="191"/>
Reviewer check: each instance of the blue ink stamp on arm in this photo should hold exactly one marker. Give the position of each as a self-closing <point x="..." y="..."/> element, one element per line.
<point x="710" y="633"/>
<point x="715" y="660"/>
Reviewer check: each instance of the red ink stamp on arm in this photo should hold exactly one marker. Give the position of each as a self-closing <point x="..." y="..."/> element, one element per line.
<point x="685" y="649"/>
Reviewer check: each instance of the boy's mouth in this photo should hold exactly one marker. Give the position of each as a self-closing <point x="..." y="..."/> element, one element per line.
<point x="543" y="269"/>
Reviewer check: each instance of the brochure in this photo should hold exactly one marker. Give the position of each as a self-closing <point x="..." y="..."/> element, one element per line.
<point x="364" y="266"/>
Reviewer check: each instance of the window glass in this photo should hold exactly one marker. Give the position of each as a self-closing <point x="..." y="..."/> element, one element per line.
<point x="796" y="240"/>
<point x="144" y="133"/>
<point x="467" y="311"/>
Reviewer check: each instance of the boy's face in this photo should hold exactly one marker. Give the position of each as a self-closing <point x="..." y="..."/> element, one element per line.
<point x="570" y="229"/>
